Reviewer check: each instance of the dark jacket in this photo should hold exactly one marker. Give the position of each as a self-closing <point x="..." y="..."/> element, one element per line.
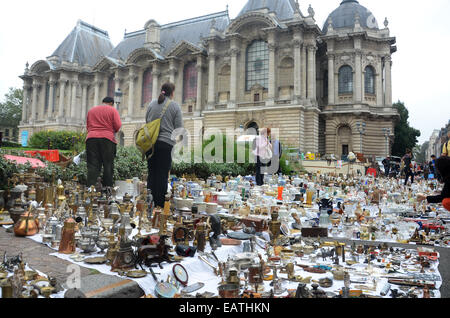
<point x="445" y="194"/>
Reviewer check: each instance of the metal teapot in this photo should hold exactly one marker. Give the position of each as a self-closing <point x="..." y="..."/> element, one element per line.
<point x="28" y="225"/>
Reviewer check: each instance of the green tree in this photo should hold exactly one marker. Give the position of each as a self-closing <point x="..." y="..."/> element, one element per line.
<point x="405" y="135"/>
<point x="420" y="155"/>
<point x="11" y="108"/>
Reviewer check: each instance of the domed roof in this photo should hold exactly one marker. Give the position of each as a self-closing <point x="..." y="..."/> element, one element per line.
<point x="345" y="15"/>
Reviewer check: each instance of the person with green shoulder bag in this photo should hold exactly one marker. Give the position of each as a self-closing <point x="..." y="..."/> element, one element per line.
<point x="159" y="157"/>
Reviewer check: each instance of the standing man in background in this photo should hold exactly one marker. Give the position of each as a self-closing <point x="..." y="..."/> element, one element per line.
<point x="103" y="122"/>
<point x="387" y="166"/>
<point x="408" y="166"/>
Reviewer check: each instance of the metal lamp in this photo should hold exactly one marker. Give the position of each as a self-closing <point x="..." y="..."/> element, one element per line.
<point x="118" y="97"/>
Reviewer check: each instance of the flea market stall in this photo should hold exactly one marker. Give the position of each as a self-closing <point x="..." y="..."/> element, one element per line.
<point x="226" y="237"/>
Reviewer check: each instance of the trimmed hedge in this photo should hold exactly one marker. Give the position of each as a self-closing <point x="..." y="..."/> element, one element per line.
<point x="62" y="140"/>
<point x="10" y="144"/>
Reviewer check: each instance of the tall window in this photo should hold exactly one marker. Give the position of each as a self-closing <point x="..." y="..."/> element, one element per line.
<point x="47" y="97"/>
<point x="369" y="80"/>
<point x="147" y="87"/>
<point x="257" y="67"/>
<point x="111" y="86"/>
<point x="345" y="80"/>
<point x="190" y="81"/>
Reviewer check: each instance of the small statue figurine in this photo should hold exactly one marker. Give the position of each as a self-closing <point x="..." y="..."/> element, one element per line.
<point x="311" y="11"/>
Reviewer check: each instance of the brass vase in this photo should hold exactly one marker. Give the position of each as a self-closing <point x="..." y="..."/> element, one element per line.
<point x="67" y="245"/>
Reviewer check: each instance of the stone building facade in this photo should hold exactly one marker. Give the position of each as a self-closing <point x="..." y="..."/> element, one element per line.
<point x="271" y="66"/>
<point x="437" y="141"/>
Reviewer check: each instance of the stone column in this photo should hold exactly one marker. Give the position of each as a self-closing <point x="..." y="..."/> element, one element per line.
<point x="36" y="88"/>
<point x="233" y="77"/>
<point x="314" y="77"/>
<point x="172" y="72"/>
<point x="303" y="71"/>
<point x="140" y="84"/>
<point x="297" y="69"/>
<point x="117" y="86"/>
<point x="379" y="84"/>
<point x="42" y="99"/>
<point x="388" y="92"/>
<point x="74" y="112"/>
<point x="272" y="94"/>
<point x="331" y="100"/>
<point x="62" y="88"/>
<point x="212" y="79"/>
<point x="198" y="106"/>
<point x="84" y="89"/>
<point x="51" y="100"/>
<point x="156" y="85"/>
<point x="26" y="88"/>
<point x="311" y="75"/>
<point x="96" y="91"/>
<point x="358" y="76"/>
<point x="132" y="78"/>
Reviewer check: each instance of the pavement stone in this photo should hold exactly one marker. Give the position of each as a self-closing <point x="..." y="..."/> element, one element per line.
<point x="37" y="256"/>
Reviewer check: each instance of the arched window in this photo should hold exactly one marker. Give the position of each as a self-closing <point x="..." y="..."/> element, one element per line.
<point x="369" y="80"/>
<point x="257" y="66"/>
<point x="345" y="80"/>
<point x="147" y="87"/>
<point x="111" y="86"/>
<point x="190" y="81"/>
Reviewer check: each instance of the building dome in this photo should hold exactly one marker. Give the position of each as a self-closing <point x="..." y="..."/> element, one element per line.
<point x="345" y="16"/>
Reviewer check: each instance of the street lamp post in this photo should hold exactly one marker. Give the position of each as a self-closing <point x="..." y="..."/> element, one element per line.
<point x="387" y="134"/>
<point x="362" y="130"/>
<point x="118" y="97"/>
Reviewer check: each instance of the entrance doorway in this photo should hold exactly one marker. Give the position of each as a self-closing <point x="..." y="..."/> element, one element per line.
<point x="252" y="125"/>
<point x="344" y="141"/>
<point x="345" y="150"/>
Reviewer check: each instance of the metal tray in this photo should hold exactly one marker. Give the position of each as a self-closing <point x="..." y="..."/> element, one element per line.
<point x="239" y="236"/>
<point x="137" y="274"/>
<point x="96" y="260"/>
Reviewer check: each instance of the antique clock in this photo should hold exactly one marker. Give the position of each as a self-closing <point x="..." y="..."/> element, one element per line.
<point x="125" y="258"/>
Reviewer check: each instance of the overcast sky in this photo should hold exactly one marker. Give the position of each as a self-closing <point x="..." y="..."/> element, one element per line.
<point x="32" y="30"/>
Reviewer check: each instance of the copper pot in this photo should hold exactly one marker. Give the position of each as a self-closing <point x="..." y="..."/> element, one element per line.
<point x="229" y="291"/>
<point x="28" y="225"/>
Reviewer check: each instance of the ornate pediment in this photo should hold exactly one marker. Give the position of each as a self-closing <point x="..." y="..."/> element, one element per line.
<point x="106" y="63"/>
<point x="40" y="67"/>
<point x="185" y="48"/>
<point x="139" y="53"/>
<point x="251" y="18"/>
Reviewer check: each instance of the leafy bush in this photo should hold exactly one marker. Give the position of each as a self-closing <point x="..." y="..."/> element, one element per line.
<point x="129" y="164"/>
<point x="62" y="140"/>
<point x="7" y="170"/>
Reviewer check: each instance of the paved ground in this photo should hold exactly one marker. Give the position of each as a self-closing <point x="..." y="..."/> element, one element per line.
<point x="97" y="285"/>
<point x="93" y="284"/>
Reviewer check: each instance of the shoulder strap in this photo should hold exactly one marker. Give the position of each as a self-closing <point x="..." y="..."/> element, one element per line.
<point x="165" y="108"/>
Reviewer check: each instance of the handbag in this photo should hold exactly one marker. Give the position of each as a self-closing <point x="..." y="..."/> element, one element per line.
<point x="148" y="135"/>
